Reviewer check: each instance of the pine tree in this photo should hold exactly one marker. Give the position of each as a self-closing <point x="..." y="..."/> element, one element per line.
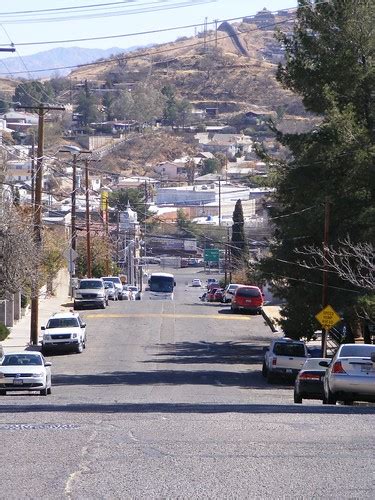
<point x="239" y="246"/>
<point x="329" y="62"/>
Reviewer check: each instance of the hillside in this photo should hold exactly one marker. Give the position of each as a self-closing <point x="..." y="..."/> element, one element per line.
<point x="232" y="69"/>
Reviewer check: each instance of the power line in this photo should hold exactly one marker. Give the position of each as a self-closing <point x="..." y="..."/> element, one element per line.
<point x="143" y="54"/>
<point x="148" y="7"/>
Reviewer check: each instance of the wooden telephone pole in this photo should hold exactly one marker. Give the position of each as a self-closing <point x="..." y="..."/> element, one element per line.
<point x="327" y="216"/>
<point x="42" y="109"/>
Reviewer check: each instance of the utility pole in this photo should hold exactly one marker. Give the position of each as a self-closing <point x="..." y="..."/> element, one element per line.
<point x="88" y="233"/>
<point x="219" y="201"/>
<point x="73" y="201"/>
<point x="327" y="216"/>
<point x="107" y="236"/>
<point x="32" y="170"/>
<point x="216" y="21"/>
<point x="42" y="109"/>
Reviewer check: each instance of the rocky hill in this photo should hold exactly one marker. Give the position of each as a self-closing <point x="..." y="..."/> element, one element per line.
<point x="232" y="69"/>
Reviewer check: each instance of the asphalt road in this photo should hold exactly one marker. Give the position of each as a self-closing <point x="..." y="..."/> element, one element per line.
<point x="168" y="401"/>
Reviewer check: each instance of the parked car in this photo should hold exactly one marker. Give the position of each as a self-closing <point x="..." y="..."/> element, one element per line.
<point x="25" y="371"/>
<point x="212" y="282"/>
<point x="117" y="282"/>
<point x="218" y="295"/>
<point x="91" y="292"/>
<point x="196" y="282"/>
<point x="247" y="298"/>
<point x="64" y="331"/>
<point x="283" y="358"/>
<point x="126" y="293"/>
<point x="229" y="292"/>
<point x="135" y="292"/>
<point x="210" y="297"/>
<point x="112" y="290"/>
<point x="350" y="375"/>
<point x="309" y="381"/>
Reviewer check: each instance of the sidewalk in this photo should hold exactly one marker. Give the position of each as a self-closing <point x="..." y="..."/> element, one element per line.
<point x="19" y="338"/>
<point x="271" y="314"/>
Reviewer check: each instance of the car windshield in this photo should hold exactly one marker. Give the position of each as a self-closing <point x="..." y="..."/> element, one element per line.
<point x="161" y="284"/>
<point x="90" y="284"/>
<point x="248" y="292"/>
<point x="63" y="323"/>
<point x="284" y="349"/>
<point x="112" y="279"/>
<point x="358" y="351"/>
<point x="109" y="284"/>
<point x="133" y="288"/>
<point x="21" y="359"/>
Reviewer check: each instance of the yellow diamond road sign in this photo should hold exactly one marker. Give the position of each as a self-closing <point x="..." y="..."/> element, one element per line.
<point x="328" y="317"/>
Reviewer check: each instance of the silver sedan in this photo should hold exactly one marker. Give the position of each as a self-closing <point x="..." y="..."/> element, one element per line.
<point x="350" y="375"/>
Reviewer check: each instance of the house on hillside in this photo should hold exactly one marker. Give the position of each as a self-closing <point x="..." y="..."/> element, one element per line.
<point x="172" y="170"/>
<point x="228" y="144"/>
<point x="20" y="121"/>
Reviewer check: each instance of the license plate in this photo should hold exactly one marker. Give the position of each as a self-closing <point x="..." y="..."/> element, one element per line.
<point x="289" y="370"/>
<point x="17" y="381"/>
<point x="248" y="301"/>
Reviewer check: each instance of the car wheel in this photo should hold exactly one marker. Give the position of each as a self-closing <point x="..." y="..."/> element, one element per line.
<point x="44" y="392"/>
<point x="270" y="378"/>
<point x="79" y="348"/>
<point x="75" y="307"/>
<point x="233" y="310"/>
<point x="330" y="398"/>
<point x="297" y="398"/>
<point x="45" y="351"/>
<point x="49" y="390"/>
<point x="103" y="305"/>
<point x="2" y="392"/>
<point x="264" y="369"/>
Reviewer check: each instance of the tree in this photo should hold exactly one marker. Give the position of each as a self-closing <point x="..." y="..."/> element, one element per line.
<point x="88" y="108"/>
<point x="31" y="92"/>
<point x="148" y="103"/>
<point x="328" y="62"/>
<point x="211" y="166"/>
<point x="122" y="106"/>
<point x="135" y="197"/>
<point x="19" y="254"/>
<point x="239" y="246"/>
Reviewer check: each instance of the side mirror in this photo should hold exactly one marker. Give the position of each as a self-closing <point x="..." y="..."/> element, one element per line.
<point x="83" y="325"/>
<point x="324" y="363"/>
<point x="42" y="327"/>
<point x="174" y="283"/>
<point x="48" y="363"/>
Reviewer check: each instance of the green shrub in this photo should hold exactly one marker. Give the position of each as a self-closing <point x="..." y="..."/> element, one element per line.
<point x="4" y="332"/>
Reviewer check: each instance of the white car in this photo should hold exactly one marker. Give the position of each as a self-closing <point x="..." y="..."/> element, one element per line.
<point x="64" y="331"/>
<point x="25" y="371"/>
<point x="117" y="283"/>
<point x="229" y="292"/>
<point x="196" y="282"/>
<point x="90" y="292"/>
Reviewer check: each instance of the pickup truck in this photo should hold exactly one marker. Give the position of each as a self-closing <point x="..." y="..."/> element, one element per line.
<point x="283" y="358"/>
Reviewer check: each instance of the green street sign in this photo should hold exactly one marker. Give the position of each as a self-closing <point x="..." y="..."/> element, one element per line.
<point x="211" y="255"/>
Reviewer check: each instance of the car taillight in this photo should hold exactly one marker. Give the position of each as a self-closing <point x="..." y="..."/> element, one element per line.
<point x="337" y="368"/>
<point x="274" y="361"/>
<point x="309" y="376"/>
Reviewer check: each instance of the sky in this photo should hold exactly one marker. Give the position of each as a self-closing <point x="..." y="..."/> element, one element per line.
<point x="126" y="20"/>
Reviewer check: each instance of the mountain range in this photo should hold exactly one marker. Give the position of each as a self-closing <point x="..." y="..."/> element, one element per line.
<point x="53" y="58"/>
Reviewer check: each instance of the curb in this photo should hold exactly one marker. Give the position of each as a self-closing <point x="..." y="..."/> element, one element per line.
<point x="269" y="321"/>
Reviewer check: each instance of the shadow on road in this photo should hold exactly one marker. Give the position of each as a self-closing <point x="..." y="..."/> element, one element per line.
<point x="187" y="408"/>
<point x="252" y="380"/>
<point x="208" y="352"/>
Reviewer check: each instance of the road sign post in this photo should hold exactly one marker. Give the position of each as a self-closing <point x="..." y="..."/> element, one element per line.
<point x="328" y="318"/>
<point x="211" y="255"/>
